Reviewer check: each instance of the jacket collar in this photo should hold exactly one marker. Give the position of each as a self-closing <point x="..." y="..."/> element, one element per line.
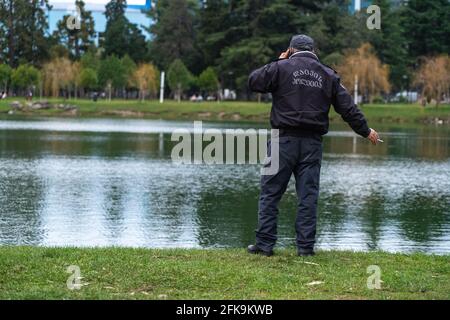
<point x="307" y="54"/>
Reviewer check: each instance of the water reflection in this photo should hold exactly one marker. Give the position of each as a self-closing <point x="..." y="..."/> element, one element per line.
<point x="111" y="182"/>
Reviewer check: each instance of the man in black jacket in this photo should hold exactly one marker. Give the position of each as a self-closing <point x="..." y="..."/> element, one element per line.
<point x="303" y="89"/>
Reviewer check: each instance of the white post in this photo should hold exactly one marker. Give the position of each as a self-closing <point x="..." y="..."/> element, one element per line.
<point x="357" y="5"/>
<point x="161" y="95"/>
<point x="356" y="89"/>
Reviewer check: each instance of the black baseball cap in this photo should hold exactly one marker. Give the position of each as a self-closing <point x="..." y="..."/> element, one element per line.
<point x="302" y="42"/>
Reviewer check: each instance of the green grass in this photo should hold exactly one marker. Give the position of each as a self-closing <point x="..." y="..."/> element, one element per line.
<point x="122" y="273"/>
<point x="235" y="111"/>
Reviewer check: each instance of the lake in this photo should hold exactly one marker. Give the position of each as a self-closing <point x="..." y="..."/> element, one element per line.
<point x="111" y="182"/>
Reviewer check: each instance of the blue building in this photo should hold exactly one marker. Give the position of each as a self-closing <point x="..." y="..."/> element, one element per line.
<point x="358" y="5"/>
<point x="134" y="13"/>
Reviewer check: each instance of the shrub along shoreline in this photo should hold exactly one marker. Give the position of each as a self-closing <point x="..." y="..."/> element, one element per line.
<point x="125" y="273"/>
<point x="223" y="111"/>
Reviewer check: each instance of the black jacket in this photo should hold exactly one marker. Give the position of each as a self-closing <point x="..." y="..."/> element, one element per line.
<point x="303" y="89"/>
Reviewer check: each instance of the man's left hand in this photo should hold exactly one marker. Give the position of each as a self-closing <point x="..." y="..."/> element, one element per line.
<point x="374" y="137"/>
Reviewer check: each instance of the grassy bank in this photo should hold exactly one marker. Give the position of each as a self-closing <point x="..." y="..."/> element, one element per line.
<point x="234" y="111"/>
<point x="119" y="273"/>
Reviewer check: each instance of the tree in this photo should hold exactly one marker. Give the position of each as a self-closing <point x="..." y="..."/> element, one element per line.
<point x="129" y="67"/>
<point x="122" y="37"/>
<point x="372" y="75"/>
<point x="75" y="79"/>
<point x="146" y="79"/>
<point x="88" y="79"/>
<point x="208" y="80"/>
<point x="23" y="27"/>
<point x="173" y="32"/>
<point x="334" y="30"/>
<point x="5" y="75"/>
<point x="111" y="74"/>
<point x="58" y="74"/>
<point x="427" y="27"/>
<point x="25" y="77"/>
<point x="78" y="41"/>
<point x="58" y="51"/>
<point x="390" y="45"/>
<point x="90" y="60"/>
<point x="434" y="78"/>
<point x="179" y="78"/>
<point x="213" y="28"/>
<point x="238" y="36"/>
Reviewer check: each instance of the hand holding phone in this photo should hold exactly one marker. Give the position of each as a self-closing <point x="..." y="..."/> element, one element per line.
<point x="286" y="54"/>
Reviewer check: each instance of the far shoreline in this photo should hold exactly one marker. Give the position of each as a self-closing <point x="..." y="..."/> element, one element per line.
<point x="226" y="111"/>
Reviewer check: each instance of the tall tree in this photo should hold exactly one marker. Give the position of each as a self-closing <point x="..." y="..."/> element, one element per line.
<point x="390" y="45"/>
<point x="259" y="31"/>
<point x="334" y="29"/>
<point x="213" y="30"/>
<point x="427" y="27"/>
<point x="122" y="37"/>
<point x="173" y="33"/>
<point x="23" y="26"/>
<point x="78" y="41"/>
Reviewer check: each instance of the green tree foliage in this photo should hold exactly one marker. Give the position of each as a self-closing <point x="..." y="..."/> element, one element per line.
<point x="122" y="37"/>
<point x="238" y="36"/>
<point x="25" y="76"/>
<point x="5" y="75"/>
<point x="174" y="33"/>
<point x="389" y="44"/>
<point x="234" y="37"/>
<point x="208" y="80"/>
<point x="23" y="27"/>
<point x="334" y="30"/>
<point x="111" y="73"/>
<point x="179" y="78"/>
<point x="90" y="60"/>
<point x="77" y="41"/>
<point x="88" y="79"/>
<point x="129" y="67"/>
<point x="427" y="27"/>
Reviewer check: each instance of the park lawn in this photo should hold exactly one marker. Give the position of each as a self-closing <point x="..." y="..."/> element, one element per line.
<point x="124" y="273"/>
<point x="227" y="110"/>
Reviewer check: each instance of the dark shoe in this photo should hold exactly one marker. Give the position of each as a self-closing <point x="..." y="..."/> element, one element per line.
<point x="306" y="252"/>
<point x="252" y="249"/>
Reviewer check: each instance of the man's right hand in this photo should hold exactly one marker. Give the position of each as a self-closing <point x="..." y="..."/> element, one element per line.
<point x="285" y="54"/>
<point x="373" y="137"/>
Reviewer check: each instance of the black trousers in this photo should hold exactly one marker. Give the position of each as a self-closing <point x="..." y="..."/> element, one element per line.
<point x="301" y="156"/>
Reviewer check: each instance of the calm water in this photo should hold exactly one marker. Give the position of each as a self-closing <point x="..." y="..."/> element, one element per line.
<point x="112" y="183"/>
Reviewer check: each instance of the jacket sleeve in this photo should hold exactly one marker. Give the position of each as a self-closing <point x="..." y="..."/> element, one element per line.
<point x="265" y="79"/>
<point x="344" y="105"/>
